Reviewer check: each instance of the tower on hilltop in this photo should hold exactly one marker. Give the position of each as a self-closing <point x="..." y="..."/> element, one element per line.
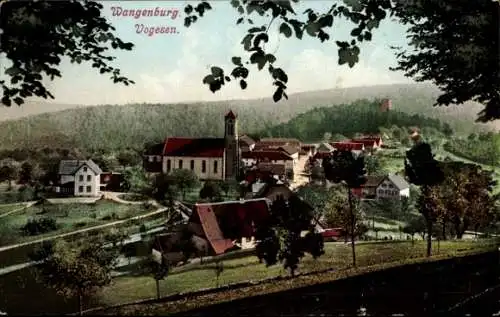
<point x="232" y="157"/>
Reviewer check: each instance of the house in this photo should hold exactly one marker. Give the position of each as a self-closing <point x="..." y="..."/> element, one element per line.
<point x="217" y="228"/>
<point x="371" y="143"/>
<point x="153" y="157"/>
<point x="246" y="143"/>
<point x="267" y="156"/>
<point x="290" y="150"/>
<point x="111" y="181"/>
<point x="79" y="178"/>
<point x="308" y="149"/>
<point x="393" y="186"/>
<point x="389" y="186"/>
<point x="325" y="148"/>
<point x="280" y="142"/>
<point x="356" y="148"/>
<point x="208" y="158"/>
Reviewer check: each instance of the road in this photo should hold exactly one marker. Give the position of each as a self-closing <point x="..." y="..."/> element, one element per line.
<point x="299" y="178"/>
<point x="63" y="235"/>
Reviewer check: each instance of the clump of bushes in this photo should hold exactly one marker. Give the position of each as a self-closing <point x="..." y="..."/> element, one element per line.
<point x="39" y="226"/>
<point x="80" y="224"/>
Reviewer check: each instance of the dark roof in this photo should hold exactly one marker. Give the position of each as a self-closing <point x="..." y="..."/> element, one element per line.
<point x="230" y="114"/>
<point x="347" y="146"/>
<point x="267" y="154"/>
<point x="281" y="141"/>
<point x="289" y="149"/>
<point x="373" y="181"/>
<point x="276" y="169"/>
<point x="398" y="181"/>
<point x="246" y="140"/>
<point x="366" y="142"/>
<point x="201" y="147"/>
<point x="226" y="221"/>
<point x="156" y="149"/>
<point x="69" y="167"/>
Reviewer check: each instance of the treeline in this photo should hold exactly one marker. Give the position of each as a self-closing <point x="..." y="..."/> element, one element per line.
<point x="482" y="148"/>
<point x="362" y="116"/>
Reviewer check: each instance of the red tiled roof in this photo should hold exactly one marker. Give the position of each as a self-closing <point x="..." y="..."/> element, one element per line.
<point x="233" y="219"/>
<point x="201" y="147"/>
<point x="267" y="155"/>
<point x="212" y="230"/>
<point x="230" y="114"/>
<point x="347" y="146"/>
<point x="332" y="233"/>
<point x="366" y="142"/>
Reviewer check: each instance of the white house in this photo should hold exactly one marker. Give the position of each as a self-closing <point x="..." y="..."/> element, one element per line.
<point x="268" y="156"/>
<point x="79" y="178"/>
<point x="393" y="186"/>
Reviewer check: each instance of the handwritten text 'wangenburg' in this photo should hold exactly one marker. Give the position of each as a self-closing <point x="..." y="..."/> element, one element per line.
<point x="140" y="13"/>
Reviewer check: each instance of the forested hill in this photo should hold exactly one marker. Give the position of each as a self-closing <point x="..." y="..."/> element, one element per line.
<point x="362" y="116"/>
<point x="114" y="127"/>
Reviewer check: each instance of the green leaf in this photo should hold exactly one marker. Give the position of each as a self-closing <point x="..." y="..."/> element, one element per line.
<point x="312" y="29"/>
<point x="236" y="60"/>
<point x="217" y="71"/>
<point x="239" y="21"/>
<point x="285" y="29"/>
<point x="256" y="29"/>
<point x="270" y="58"/>
<point x="368" y="36"/>
<point x="297" y="26"/>
<point x="326" y="21"/>
<point x="19" y="101"/>
<point x="6" y="101"/>
<point x="208" y="79"/>
<point x="188" y="9"/>
<point x="260" y="37"/>
<point x="235" y="3"/>
<point x="247" y="41"/>
<point x="241" y="10"/>
<point x="12" y="71"/>
<point x="278" y="94"/>
<point x="227" y="78"/>
<point x="372" y="24"/>
<point x="258" y="58"/>
<point x="356" y="32"/>
<point x="243" y="84"/>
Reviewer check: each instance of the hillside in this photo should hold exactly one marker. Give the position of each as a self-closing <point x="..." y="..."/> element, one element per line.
<point x="133" y="125"/>
<point x="362" y="116"/>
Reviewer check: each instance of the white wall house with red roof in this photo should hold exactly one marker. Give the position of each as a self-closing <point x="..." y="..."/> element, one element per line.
<point x="208" y="158"/>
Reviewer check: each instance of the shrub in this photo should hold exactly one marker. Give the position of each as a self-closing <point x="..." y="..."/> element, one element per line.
<point x="80" y="224"/>
<point x="106" y="218"/>
<point x="39" y="226"/>
<point x="143" y="228"/>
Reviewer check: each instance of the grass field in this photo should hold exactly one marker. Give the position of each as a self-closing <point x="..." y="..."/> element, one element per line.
<point x="337" y="256"/>
<point x="68" y="217"/>
<point x="4" y="209"/>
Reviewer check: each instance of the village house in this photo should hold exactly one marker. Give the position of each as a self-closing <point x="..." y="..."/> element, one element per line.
<point x="391" y="186"/>
<point x="216" y="228"/>
<point x="79" y="178"/>
<point x="268" y="156"/>
<point x="246" y="143"/>
<point x="208" y="158"/>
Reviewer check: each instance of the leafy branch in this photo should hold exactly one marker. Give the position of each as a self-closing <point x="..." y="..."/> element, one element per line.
<point x="366" y="15"/>
<point x="36" y="35"/>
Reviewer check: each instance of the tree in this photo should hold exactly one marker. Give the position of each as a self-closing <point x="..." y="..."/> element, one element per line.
<point x="159" y="271"/>
<point x="423" y="170"/>
<point x="373" y="166"/>
<point x="8" y="173"/>
<point x="466" y="197"/>
<point x="79" y="268"/>
<point x="338" y="214"/>
<point x="433" y="33"/>
<point x="137" y="180"/>
<point x="29" y="173"/>
<point x="280" y="239"/>
<point x="128" y="158"/>
<point x="344" y="167"/>
<point x="218" y="268"/>
<point x="211" y="191"/>
<point x="416" y="225"/>
<point x="314" y="195"/>
<point x="37" y="35"/>
<point x="164" y="189"/>
<point x="184" y="180"/>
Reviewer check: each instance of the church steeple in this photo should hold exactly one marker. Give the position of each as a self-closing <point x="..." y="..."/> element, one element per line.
<point x="232" y="156"/>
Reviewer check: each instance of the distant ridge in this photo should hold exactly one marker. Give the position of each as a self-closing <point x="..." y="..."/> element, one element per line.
<point x="127" y="125"/>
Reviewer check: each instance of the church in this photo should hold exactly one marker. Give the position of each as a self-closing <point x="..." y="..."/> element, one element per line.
<point x="208" y="158"/>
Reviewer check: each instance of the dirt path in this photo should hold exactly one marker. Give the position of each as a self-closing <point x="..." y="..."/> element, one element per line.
<point x="67" y="234"/>
<point x="26" y="205"/>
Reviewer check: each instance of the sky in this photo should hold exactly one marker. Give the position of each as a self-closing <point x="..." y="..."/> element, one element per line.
<point x="169" y="68"/>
